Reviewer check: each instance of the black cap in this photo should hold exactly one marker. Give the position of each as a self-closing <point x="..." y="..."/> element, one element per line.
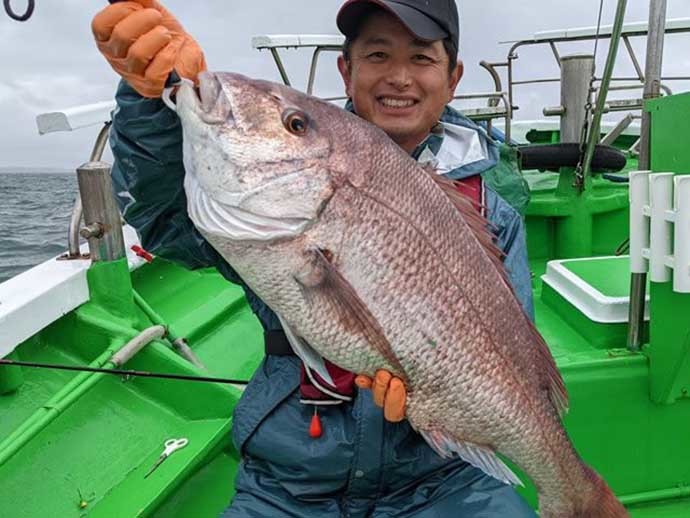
<point x="428" y="20"/>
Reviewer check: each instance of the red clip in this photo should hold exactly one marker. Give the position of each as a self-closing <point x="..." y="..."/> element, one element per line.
<point x="315" y="429"/>
<point x="140" y="252"/>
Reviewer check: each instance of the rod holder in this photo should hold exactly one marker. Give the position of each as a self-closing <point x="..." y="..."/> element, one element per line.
<point x="639" y="222"/>
<point x="100" y="212"/>
<point x="661" y="203"/>
<point x="681" y="251"/>
<point x="660" y="227"/>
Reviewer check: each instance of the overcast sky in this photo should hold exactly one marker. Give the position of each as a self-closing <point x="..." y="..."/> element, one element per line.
<point x="50" y="62"/>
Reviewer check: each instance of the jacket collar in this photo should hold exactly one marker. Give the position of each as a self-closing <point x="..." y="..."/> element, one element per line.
<point x="457" y="147"/>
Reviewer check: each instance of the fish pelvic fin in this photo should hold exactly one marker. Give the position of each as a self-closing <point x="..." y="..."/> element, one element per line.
<point x="323" y="284"/>
<point x="480" y="227"/>
<point x="478" y="456"/>
<point x="306" y="353"/>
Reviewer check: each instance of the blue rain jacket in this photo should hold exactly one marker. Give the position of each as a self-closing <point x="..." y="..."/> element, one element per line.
<point x="362" y="465"/>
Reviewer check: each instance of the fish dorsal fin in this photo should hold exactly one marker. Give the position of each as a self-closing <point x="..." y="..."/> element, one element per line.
<point x="478" y="224"/>
<point x="478" y="456"/>
<point x="480" y="228"/>
<point x="558" y="394"/>
<point x="323" y="284"/>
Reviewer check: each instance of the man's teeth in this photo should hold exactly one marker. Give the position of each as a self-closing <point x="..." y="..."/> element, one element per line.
<point x="396" y="103"/>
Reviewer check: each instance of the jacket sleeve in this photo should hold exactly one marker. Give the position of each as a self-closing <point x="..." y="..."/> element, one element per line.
<point x="148" y="175"/>
<point x="512" y="239"/>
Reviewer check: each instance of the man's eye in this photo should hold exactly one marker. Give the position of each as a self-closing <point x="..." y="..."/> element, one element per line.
<point x="376" y="56"/>
<point x="423" y="57"/>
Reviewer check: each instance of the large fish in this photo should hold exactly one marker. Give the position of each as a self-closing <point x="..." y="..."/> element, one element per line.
<point x="372" y="262"/>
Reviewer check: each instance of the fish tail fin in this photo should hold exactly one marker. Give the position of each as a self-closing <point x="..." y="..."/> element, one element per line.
<point x="594" y="499"/>
<point x="599" y="501"/>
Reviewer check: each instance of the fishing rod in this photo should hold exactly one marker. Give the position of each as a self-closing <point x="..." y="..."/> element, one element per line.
<point x="30" y="4"/>
<point x="121" y="372"/>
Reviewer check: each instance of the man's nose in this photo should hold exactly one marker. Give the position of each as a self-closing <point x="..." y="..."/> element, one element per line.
<point x="399" y="77"/>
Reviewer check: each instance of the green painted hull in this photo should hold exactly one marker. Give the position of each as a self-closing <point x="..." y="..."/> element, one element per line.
<point x="102" y="444"/>
<point x="629" y="416"/>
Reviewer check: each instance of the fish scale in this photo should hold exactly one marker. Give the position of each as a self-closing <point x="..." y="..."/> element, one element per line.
<point x="389" y="268"/>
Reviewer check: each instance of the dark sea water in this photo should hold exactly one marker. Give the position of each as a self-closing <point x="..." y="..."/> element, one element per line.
<point x="35" y="211"/>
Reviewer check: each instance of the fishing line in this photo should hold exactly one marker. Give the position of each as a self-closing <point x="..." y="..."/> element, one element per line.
<point x="584" y="135"/>
<point x="121" y="372"/>
<point x="19" y="17"/>
<point x="596" y="39"/>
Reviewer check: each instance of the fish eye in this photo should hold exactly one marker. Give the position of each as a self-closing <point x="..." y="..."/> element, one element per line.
<point x="295" y="122"/>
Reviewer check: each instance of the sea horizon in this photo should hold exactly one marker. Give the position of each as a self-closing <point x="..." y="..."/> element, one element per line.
<point x="34" y="216"/>
<point x="35" y="170"/>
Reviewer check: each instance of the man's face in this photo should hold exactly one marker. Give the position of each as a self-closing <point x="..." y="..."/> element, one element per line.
<point x="397" y="82"/>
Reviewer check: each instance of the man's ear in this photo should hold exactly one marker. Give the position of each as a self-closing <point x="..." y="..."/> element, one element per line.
<point x="455" y="77"/>
<point x="344" y="67"/>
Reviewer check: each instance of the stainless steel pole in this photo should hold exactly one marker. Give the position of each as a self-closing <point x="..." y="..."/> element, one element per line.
<point x="575" y="94"/>
<point x="103" y="226"/>
<point x="595" y="130"/>
<point x="75" y="220"/>
<point x="652" y="89"/>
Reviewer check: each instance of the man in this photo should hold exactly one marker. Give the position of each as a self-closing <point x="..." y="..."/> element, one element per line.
<point x="400" y="69"/>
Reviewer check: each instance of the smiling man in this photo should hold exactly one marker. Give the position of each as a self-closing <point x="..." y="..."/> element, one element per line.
<point x="400" y="69"/>
<point x="397" y="80"/>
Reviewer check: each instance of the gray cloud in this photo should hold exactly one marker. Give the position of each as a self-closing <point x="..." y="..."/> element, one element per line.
<point x="51" y="62"/>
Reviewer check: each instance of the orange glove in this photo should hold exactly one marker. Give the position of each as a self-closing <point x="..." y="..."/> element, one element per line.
<point x="388" y="391"/>
<point x="143" y="43"/>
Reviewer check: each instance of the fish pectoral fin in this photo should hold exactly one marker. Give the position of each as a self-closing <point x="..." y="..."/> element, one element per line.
<point x="479" y="456"/>
<point x="307" y="353"/>
<point x="323" y="285"/>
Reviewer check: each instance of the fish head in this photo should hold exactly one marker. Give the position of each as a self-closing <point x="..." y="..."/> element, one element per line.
<point x="256" y="157"/>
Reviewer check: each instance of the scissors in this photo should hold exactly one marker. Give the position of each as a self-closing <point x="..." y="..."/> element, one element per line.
<point x="171" y="446"/>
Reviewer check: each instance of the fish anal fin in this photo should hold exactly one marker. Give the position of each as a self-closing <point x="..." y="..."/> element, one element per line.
<point x="558" y="394"/>
<point x="323" y="284"/>
<point x="478" y="456"/>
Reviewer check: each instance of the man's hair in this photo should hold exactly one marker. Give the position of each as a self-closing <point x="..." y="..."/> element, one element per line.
<point x="447" y="44"/>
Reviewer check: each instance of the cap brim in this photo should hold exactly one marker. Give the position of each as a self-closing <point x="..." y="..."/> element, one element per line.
<point x="419" y="24"/>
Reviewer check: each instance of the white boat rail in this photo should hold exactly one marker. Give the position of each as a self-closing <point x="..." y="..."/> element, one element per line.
<point x="75" y="118"/>
<point x="629" y="29"/>
<point x="36" y="298"/>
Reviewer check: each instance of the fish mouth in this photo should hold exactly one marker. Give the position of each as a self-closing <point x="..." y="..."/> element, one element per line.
<point x="213" y="105"/>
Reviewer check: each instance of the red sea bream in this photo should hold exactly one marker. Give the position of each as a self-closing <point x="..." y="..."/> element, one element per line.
<point x="373" y="263"/>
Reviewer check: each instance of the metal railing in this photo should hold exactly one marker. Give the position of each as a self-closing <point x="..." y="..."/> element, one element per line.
<point x="501" y="102"/>
<point x="552" y="39"/>
<point x="498" y="104"/>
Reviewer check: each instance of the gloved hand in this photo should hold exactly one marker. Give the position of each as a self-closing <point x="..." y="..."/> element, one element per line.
<point x="143" y="43"/>
<point x="388" y="391"/>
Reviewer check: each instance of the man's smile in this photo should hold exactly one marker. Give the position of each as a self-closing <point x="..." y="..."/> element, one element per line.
<point x="396" y="102"/>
